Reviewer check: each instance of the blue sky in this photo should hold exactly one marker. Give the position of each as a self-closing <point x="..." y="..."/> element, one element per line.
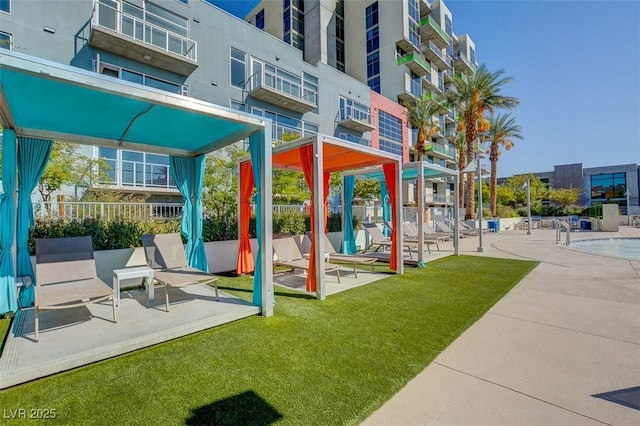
<point x="576" y="70"/>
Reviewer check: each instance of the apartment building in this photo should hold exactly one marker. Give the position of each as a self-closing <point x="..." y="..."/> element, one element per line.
<point x="402" y="50"/>
<point x="192" y="48"/>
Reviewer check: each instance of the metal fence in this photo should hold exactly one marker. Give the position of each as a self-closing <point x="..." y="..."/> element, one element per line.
<point x="130" y="211"/>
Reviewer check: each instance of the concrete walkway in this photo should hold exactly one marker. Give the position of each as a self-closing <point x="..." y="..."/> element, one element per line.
<point x="561" y="348"/>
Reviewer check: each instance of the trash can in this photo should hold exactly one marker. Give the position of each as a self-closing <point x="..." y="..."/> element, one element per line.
<point x="492" y="225"/>
<point x="585" y="225"/>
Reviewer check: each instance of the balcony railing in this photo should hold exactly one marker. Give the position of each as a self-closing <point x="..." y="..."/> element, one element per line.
<point x="441" y="149"/>
<point x="289" y="93"/>
<point x="142" y="31"/>
<point x="435" y="49"/>
<point x="415" y="62"/>
<point x="438" y="199"/>
<point x="467" y="62"/>
<point x="279" y="130"/>
<point x="355" y="139"/>
<point x="429" y="23"/>
<point x="358" y="114"/>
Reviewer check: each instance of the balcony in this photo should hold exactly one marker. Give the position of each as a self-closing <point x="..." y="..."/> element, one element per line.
<point x="438" y="199"/>
<point x="429" y="85"/>
<point x="463" y="64"/>
<point x="283" y="92"/>
<point x="434" y="54"/>
<point x="134" y="38"/>
<point x="405" y="44"/>
<point x="416" y="63"/>
<point x="425" y="7"/>
<point x="442" y="150"/>
<point x="430" y="30"/>
<point x="440" y="101"/>
<point x="355" y="119"/>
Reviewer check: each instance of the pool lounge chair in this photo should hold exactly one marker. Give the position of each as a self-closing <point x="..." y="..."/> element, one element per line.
<point x="288" y="255"/>
<point x="353" y="259"/>
<point x="165" y="255"/>
<point x="410" y="231"/>
<point x="379" y="241"/>
<point x="445" y="228"/>
<point x="467" y="226"/>
<point x="66" y="277"/>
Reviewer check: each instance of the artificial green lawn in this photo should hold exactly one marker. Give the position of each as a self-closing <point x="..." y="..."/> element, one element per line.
<point x="314" y="362"/>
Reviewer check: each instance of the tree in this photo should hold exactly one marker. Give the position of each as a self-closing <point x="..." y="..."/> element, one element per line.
<point x="289" y="186"/>
<point x="67" y="166"/>
<point x="221" y="181"/>
<point x="459" y="141"/>
<point x="565" y="196"/>
<point x="514" y="190"/>
<point x="502" y="130"/>
<point x="421" y="117"/>
<point x="473" y="95"/>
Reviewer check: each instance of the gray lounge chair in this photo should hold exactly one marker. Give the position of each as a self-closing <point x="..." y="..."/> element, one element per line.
<point x="353" y="259"/>
<point x="463" y="232"/>
<point x="66" y="276"/>
<point x="289" y="256"/>
<point x="410" y="231"/>
<point x="165" y="255"/>
<point x="379" y="241"/>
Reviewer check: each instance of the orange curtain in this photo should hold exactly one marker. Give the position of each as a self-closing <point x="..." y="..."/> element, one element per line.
<point x="325" y="184"/>
<point x="306" y="160"/>
<point x="245" y="258"/>
<point x="390" y="178"/>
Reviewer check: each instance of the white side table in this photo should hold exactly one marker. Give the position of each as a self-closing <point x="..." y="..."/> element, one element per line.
<point x="135" y="272"/>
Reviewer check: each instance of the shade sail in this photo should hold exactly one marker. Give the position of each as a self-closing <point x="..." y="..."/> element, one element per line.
<point x="45" y="99"/>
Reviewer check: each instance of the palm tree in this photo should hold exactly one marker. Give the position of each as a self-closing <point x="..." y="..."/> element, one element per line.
<point x="502" y="129"/>
<point x="421" y="117"/>
<point x="473" y="95"/>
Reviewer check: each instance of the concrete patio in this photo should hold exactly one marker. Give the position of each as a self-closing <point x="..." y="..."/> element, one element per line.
<point x="561" y="348"/>
<point x="71" y="338"/>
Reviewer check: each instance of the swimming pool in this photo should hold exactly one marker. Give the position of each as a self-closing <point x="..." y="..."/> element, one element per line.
<point x="628" y="248"/>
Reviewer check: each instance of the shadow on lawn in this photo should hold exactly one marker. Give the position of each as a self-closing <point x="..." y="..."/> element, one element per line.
<point x="246" y="408"/>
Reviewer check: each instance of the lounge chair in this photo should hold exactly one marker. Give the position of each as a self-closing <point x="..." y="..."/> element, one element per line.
<point x="410" y="231"/>
<point x="353" y="259"/>
<point x="289" y="256"/>
<point x="66" y="276"/>
<point x="467" y="227"/>
<point x="463" y="232"/>
<point x="165" y="255"/>
<point x="379" y="241"/>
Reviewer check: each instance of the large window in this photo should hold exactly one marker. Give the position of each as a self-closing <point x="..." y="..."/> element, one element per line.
<point x="293" y="23"/>
<point x="6" y="40"/>
<point x="285" y="128"/>
<point x="144" y="79"/>
<point x="6" y="6"/>
<point x="413" y="22"/>
<point x="608" y="186"/>
<point x="139" y="169"/>
<point x="340" y="59"/>
<point x="259" y="20"/>
<point x="373" y="46"/>
<point x="238" y="68"/>
<point x="390" y="131"/>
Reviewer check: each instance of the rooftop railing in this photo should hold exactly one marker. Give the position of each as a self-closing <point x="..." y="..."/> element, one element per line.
<point x="106" y="16"/>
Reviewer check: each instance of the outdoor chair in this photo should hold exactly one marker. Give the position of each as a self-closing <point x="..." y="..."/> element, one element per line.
<point x="165" y="255"/>
<point x="379" y="241"/>
<point x="467" y="227"/>
<point x="288" y="255"/>
<point x="445" y="228"/>
<point x="66" y="277"/>
<point x="352" y="259"/>
<point x="410" y="231"/>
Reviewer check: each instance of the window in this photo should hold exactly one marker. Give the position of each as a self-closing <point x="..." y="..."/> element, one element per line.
<point x="238" y="105"/>
<point x="472" y="55"/>
<point x="110" y="157"/>
<point x="6" y="6"/>
<point x="143" y="79"/>
<point x="448" y="26"/>
<point x="293" y="24"/>
<point x="353" y="109"/>
<point x="238" y="68"/>
<point x="259" y="20"/>
<point x="6" y="41"/>
<point x="390" y="131"/>
<point x="608" y="186"/>
<point x="416" y="85"/>
<point x="136" y="168"/>
<point x="285" y="126"/>
<point x="340" y="58"/>
<point x="413" y="22"/>
<point x="373" y="46"/>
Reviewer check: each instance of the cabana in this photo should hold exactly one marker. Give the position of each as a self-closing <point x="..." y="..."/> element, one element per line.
<point x="317" y="156"/>
<point x="42" y="101"/>
<point x="416" y="171"/>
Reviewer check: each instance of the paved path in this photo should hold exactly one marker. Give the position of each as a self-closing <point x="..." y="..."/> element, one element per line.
<point x="558" y="349"/>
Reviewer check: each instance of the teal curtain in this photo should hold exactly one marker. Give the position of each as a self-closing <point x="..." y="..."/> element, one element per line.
<point x="349" y="238"/>
<point x="8" y="299"/>
<point x="188" y="174"/>
<point x="386" y="209"/>
<point x="257" y="143"/>
<point x="33" y="155"/>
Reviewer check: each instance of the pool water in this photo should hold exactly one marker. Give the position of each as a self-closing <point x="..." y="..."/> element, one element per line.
<point x="628" y="248"/>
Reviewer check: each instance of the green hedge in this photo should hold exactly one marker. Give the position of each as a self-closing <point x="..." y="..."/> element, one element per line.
<point x="120" y="233"/>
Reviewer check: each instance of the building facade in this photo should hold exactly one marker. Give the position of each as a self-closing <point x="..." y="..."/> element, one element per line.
<point x="314" y="66"/>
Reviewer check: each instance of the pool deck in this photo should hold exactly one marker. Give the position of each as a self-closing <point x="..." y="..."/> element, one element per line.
<point x="562" y="347"/>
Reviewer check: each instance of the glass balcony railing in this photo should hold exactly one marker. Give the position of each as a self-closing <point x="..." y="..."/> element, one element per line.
<point x="438" y="198"/>
<point x="136" y="28"/>
<point x="414" y="57"/>
<point x="283" y="85"/>
<point x="465" y="60"/>
<point x="358" y="114"/>
<point x="282" y="133"/>
<point x="435" y="49"/>
<point x="440" y="149"/>
<point x="355" y="139"/>
<point x="429" y="21"/>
